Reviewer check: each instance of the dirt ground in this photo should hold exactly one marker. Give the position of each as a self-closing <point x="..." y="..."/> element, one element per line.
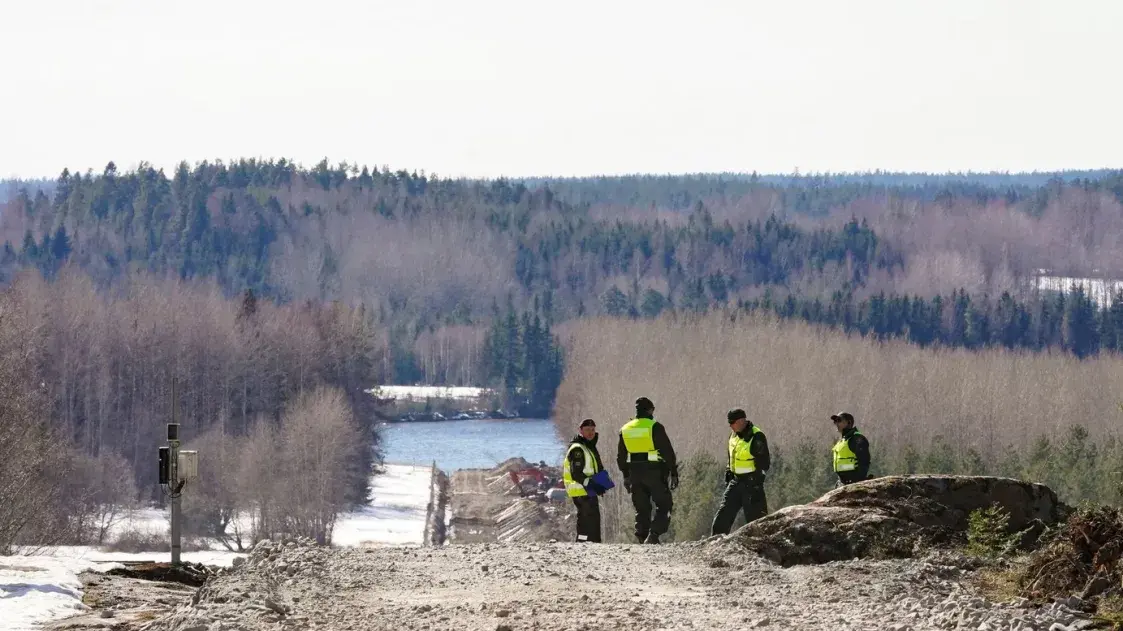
<point x="727" y="583"/>
<point x="123" y="602"/>
<point x="495" y="587"/>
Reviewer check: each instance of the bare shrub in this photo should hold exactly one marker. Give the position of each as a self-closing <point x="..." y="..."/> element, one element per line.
<point x="134" y="541"/>
<point x="301" y="484"/>
<point x="99" y="495"/>
<point x="33" y="458"/>
<point x="211" y="504"/>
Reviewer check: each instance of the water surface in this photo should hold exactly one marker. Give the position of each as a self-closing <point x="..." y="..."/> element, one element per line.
<point x="471" y="444"/>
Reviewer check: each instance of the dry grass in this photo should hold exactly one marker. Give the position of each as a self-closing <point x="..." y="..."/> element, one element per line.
<point x="790" y="377"/>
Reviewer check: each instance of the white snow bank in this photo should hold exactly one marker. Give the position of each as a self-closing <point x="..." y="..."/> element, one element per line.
<point x="396" y="514"/>
<point x="420" y="393"/>
<point x="39" y="588"/>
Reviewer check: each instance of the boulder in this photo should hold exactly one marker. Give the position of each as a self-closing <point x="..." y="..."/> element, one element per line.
<point x="895" y="517"/>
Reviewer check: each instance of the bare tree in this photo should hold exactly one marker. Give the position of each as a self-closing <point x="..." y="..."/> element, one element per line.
<point x="320" y="447"/>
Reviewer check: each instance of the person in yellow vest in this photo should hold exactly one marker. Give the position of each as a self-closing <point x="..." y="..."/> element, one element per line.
<point x="748" y="464"/>
<point x="582" y="462"/>
<point x="851" y="454"/>
<point x="647" y="460"/>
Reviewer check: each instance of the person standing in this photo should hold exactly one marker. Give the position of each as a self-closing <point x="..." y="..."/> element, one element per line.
<point x="647" y="460"/>
<point x="582" y="462"/>
<point x="851" y="454"/>
<point x="748" y="464"/>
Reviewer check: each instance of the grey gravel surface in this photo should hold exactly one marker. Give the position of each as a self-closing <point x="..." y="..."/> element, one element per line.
<point x="705" y="585"/>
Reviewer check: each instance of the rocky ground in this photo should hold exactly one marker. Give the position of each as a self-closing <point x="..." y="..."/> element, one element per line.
<point x="707" y="585"/>
<point x="763" y="576"/>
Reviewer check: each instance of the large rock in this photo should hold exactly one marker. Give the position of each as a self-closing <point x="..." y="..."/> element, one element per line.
<point x="895" y="517"/>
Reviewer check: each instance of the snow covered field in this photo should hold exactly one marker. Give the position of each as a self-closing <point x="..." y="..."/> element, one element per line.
<point x="42" y="587"/>
<point x="420" y="393"/>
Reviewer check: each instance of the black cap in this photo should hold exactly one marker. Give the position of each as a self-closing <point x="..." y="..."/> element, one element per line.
<point x="842" y="416"/>
<point x="643" y="404"/>
<point x="588" y="422"/>
<point x="736" y="415"/>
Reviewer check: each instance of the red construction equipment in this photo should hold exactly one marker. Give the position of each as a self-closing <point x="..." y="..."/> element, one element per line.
<point x="531" y="482"/>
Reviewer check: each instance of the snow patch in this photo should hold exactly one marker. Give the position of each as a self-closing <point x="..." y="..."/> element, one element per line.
<point x="39" y="588"/>
<point x="43" y="587"/>
<point x="420" y="393"/>
<point x="399" y="500"/>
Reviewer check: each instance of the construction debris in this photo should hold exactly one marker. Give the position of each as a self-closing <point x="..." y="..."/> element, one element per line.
<point x="193" y="574"/>
<point x="1081" y="561"/>
<point x="511" y="502"/>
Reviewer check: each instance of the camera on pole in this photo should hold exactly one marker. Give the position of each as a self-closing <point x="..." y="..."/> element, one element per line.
<point x="177" y="468"/>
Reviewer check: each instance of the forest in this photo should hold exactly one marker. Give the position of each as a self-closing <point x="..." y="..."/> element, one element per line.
<point x="268" y="289"/>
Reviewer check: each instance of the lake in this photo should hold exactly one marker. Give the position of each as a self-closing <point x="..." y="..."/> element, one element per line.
<point x="471" y="444"/>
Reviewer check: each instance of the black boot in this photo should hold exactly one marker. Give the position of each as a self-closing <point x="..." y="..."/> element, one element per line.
<point x="652" y="538"/>
<point x="640" y="539"/>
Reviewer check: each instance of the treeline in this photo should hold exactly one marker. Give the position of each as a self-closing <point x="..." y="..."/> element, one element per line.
<point x="1070" y="321"/>
<point x="428" y="257"/>
<point x="526" y="358"/>
<point x="814" y="193"/>
<point x="100" y="368"/>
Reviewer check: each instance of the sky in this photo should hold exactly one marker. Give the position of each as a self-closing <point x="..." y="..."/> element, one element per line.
<point x="504" y="88"/>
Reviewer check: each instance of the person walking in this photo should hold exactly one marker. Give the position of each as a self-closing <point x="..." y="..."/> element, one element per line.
<point x="650" y="468"/>
<point x="851" y="454"/>
<point x="748" y="464"/>
<point x="582" y="462"/>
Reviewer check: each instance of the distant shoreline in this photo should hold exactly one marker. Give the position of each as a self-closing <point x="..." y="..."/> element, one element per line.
<point x="458" y="415"/>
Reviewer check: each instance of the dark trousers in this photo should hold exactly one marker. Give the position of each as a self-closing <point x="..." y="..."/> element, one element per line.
<point x="649" y="486"/>
<point x="740" y="495"/>
<point x="588" y="518"/>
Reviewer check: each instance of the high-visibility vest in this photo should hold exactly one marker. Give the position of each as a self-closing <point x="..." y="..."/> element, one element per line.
<point x="844" y="458"/>
<point x="638" y="438"/>
<point x="574" y="488"/>
<point x="741" y="459"/>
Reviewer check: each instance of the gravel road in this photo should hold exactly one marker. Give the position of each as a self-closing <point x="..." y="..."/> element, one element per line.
<point x="704" y="585"/>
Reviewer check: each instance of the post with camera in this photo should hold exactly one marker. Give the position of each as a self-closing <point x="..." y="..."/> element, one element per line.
<point x="177" y="467"/>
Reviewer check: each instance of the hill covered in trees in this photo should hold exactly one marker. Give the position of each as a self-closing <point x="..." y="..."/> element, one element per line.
<point x="275" y="294"/>
<point x="466" y="280"/>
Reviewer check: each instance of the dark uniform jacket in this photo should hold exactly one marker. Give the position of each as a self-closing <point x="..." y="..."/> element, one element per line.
<point x="577" y="457"/>
<point x="861" y="448"/>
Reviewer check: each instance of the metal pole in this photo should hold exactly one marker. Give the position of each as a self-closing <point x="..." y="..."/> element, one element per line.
<point x="173" y="480"/>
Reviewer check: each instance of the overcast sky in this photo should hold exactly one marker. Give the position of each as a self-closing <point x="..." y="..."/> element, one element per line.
<point x="489" y="88"/>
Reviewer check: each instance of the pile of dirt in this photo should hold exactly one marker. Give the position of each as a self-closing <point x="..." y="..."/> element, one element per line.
<point x="251" y="595"/>
<point x="193" y="574"/>
<point x="897" y="517"/>
<point x="1082" y="560"/>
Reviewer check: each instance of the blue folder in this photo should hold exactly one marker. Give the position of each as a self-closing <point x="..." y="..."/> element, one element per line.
<point x="601" y="482"/>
